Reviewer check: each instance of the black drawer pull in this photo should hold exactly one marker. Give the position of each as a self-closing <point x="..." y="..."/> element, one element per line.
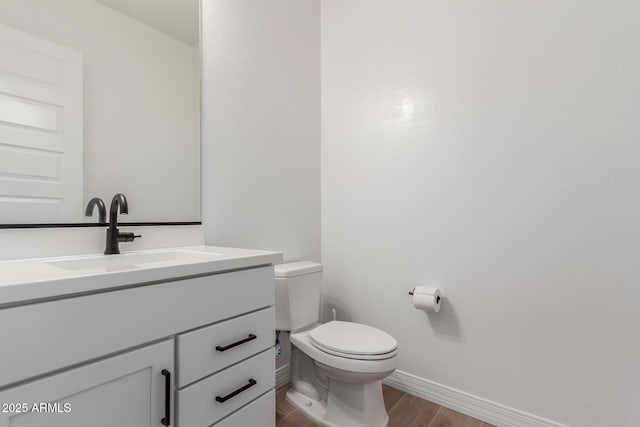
<point x="251" y="337"/>
<point x="251" y="383"/>
<point x="167" y="398"/>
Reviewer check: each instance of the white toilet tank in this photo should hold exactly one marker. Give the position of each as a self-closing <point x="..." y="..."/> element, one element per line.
<point x="297" y="294"/>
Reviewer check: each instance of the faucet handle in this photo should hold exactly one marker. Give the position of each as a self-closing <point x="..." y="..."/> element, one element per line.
<point x="127" y="237"/>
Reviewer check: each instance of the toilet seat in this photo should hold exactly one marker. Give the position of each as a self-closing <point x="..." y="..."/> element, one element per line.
<point x="353" y="341"/>
<point x="302" y="341"/>
<point x="356" y="356"/>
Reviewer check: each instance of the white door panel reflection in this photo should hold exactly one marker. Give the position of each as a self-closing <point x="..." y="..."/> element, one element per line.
<point x="40" y="130"/>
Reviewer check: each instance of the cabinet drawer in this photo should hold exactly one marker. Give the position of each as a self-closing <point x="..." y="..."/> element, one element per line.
<point x="211" y="349"/>
<point x="200" y="404"/>
<point x="260" y="412"/>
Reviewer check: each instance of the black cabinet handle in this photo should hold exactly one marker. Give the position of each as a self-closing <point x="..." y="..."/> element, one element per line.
<point x="251" y="383"/>
<point x="167" y="398"/>
<point x="251" y="337"/>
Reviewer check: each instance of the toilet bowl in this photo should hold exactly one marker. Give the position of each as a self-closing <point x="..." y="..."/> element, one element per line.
<point x="337" y="367"/>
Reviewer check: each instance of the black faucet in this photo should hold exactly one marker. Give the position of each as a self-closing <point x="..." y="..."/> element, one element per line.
<point x="114" y="236"/>
<point x="102" y="209"/>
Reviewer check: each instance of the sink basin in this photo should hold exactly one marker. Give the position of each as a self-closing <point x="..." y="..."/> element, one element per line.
<point x="134" y="260"/>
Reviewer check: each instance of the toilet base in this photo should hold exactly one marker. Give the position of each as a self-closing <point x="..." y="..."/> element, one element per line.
<point x="348" y="405"/>
<point x="313" y="409"/>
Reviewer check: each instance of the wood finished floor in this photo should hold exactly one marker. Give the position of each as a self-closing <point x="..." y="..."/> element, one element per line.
<point x="404" y="410"/>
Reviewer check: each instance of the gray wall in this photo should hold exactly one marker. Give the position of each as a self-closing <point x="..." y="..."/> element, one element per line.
<point x="261" y="125"/>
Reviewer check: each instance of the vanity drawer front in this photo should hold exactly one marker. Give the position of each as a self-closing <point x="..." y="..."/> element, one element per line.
<point x="207" y="350"/>
<point x="205" y="402"/>
<point x="257" y="413"/>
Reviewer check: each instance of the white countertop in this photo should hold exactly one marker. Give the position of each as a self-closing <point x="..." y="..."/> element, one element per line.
<point x="41" y="278"/>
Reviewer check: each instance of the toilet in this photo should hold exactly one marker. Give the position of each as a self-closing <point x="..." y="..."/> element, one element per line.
<point x="337" y="367"/>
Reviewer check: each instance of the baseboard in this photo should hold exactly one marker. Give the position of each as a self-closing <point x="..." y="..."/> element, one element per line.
<point x="282" y="375"/>
<point x="468" y="404"/>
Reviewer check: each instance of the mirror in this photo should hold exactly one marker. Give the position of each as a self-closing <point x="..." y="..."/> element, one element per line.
<point x="99" y="97"/>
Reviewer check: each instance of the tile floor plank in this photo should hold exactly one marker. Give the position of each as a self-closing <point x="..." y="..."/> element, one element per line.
<point x="449" y="418"/>
<point x="295" y="419"/>
<point x="391" y="396"/>
<point x="411" y="411"/>
<point x="283" y="408"/>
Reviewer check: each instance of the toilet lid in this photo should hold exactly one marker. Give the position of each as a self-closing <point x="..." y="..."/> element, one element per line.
<point x="354" y="339"/>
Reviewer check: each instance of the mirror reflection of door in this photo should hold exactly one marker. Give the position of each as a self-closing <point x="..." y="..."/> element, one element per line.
<point x="127" y="120"/>
<point x="40" y="129"/>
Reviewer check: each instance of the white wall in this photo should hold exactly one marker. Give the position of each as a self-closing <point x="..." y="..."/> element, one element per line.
<point x="261" y="125"/>
<point x="140" y="105"/>
<point x="491" y="148"/>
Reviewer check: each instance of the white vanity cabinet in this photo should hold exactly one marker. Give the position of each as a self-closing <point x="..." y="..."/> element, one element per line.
<point x="191" y="351"/>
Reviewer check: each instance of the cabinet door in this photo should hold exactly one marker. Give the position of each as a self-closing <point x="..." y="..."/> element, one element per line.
<point x="126" y="391"/>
